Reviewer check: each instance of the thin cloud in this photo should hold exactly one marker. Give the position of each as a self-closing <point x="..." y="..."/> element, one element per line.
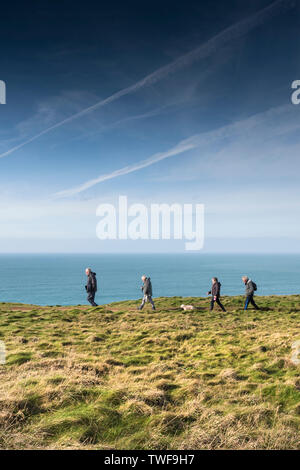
<point x="195" y="141"/>
<point x="120" y="122"/>
<point x="208" y="48"/>
<point x="180" y="148"/>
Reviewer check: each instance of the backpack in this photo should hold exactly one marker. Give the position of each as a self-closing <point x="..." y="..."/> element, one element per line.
<point x="254" y="285"/>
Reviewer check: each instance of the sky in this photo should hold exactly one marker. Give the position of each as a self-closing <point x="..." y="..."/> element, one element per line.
<point x="164" y="102"/>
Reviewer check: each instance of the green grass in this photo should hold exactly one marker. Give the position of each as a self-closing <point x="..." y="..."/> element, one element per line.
<point x="115" y="378"/>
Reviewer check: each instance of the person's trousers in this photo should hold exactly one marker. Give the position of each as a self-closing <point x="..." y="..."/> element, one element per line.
<point x="91" y="298"/>
<point x="218" y="302"/>
<point x="147" y="298"/>
<point x="250" y="300"/>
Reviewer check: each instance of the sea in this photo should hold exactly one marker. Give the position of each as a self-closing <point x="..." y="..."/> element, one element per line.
<point x="59" y="279"/>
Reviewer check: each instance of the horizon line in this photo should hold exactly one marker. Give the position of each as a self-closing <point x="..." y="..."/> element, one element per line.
<point x="152" y="253"/>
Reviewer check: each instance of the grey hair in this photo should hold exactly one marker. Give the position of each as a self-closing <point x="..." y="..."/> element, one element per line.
<point x="88" y="269"/>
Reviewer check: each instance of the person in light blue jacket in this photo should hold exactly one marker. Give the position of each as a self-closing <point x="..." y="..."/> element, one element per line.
<point x="147" y="292"/>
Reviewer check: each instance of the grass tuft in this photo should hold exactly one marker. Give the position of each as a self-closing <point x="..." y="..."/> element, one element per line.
<point x="115" y="378"/>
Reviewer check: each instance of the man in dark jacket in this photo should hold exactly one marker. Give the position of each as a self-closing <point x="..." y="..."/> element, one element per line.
<point x="215" y="294"/>
<point x="250" y="288"/>
<point x="147" y="292"/>
<point x="91" y="286"/>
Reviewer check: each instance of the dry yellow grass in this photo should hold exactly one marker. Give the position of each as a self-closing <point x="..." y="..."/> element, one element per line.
<point x="112" y="377"/>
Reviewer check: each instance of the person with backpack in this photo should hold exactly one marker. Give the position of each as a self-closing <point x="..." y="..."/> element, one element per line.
<point x="91" y="286"/>
<point x="147" y="292"/>
<point x="250" y="288"/>
<point x="215" y="294"/>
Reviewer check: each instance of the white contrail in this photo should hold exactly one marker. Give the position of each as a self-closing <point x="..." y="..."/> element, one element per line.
<point x="183" y="146"/>
<point x="205" y="50"/>
<point x="180" y="148"/>
<point x="118" y="123"/>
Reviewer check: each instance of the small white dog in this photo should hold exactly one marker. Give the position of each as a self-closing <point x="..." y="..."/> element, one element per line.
<point x="187" y="307"/>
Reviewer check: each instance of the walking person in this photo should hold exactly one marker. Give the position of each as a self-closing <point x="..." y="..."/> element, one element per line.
<point x="215" y="294"/>
<point x="250" y="288"/>
<point x="147" y="292"/>
<point x="91" y="286"/>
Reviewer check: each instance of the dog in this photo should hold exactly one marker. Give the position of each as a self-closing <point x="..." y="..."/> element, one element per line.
<point x="187" y="307"/>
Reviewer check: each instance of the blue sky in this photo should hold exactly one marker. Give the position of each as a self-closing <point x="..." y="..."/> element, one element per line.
<point x="93" y="89"/>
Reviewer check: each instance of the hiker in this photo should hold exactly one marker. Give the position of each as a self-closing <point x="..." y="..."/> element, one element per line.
<point x="215" y="294"/>
<point x="250" y="288"/>
<point x="91" y="286"/>
<point x="147" y="292"/>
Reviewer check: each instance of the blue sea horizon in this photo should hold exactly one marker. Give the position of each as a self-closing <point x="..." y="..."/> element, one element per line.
<point x="59" y="279"/>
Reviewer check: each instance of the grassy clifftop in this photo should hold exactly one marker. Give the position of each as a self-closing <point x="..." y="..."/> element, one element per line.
<point x="112" y="377"/>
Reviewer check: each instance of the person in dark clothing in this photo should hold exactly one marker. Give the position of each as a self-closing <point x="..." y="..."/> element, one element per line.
<point x="215" y="294"/>
<point x="147" y="292"/>
<point x="91" y="286"/>
<point x="250" y="288"/>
